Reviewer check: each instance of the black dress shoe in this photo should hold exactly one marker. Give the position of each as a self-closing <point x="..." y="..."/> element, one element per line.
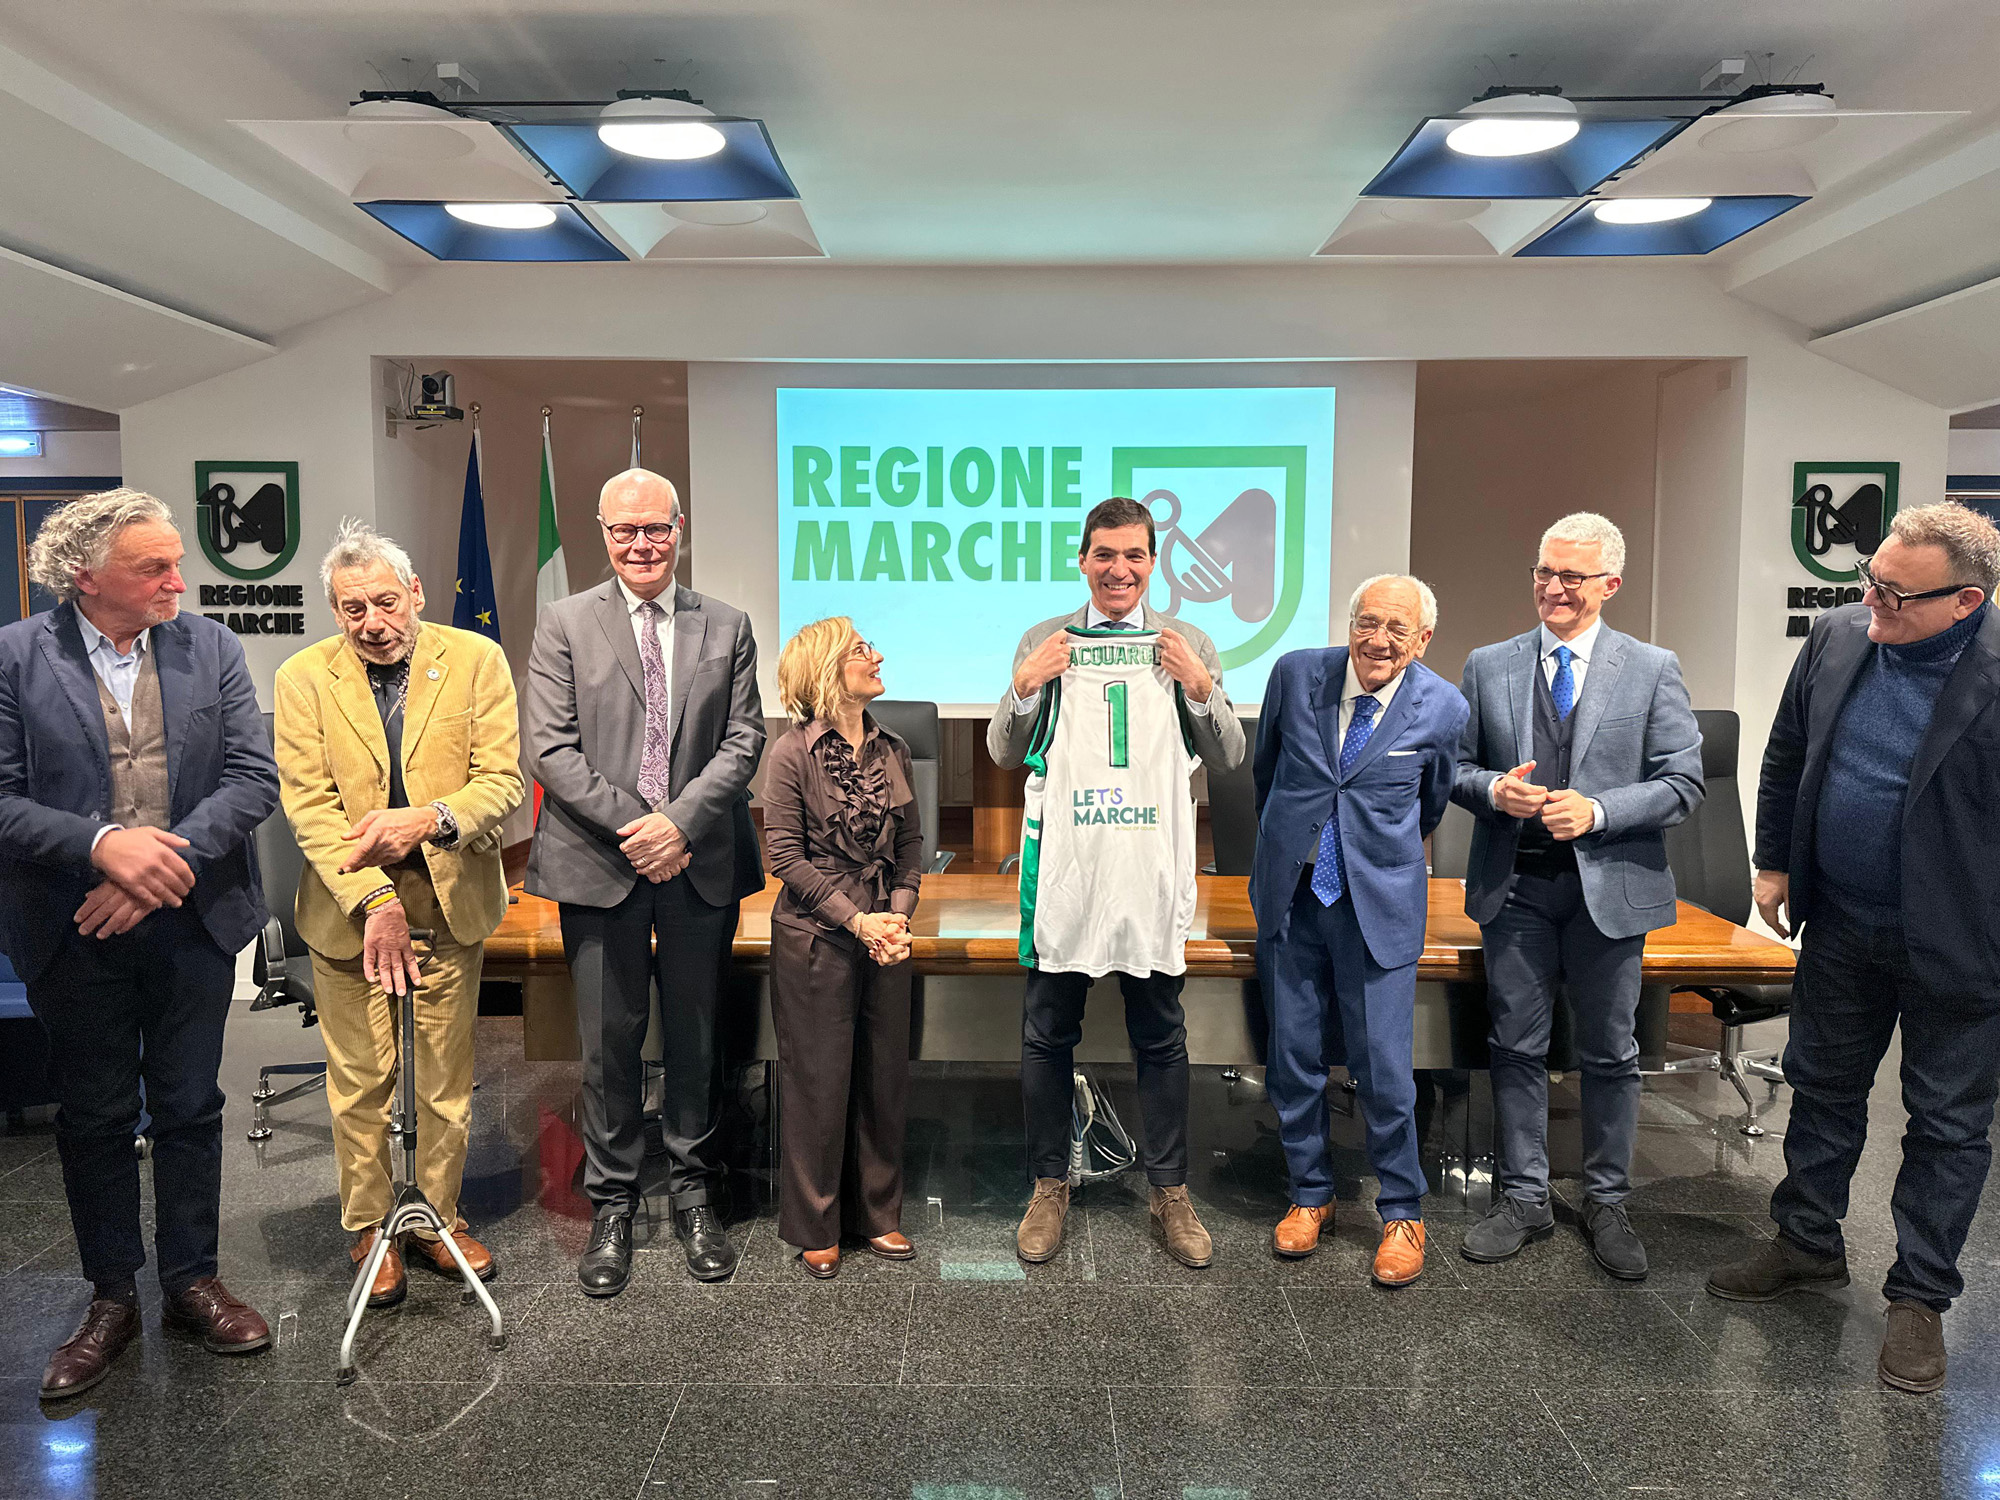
<point x="607" y="1260"/>
<point x="710" y="1255"/>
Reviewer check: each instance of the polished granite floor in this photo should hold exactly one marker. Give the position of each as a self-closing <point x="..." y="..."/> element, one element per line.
<point x="1110" y="1372"/>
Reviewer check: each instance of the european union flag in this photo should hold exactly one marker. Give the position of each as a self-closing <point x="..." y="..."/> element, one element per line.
<point x="475" y="606"/>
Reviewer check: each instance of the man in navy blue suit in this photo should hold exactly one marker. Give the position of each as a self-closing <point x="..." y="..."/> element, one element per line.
<point x="1356" y="751"/>
<point x="133" y="769"/>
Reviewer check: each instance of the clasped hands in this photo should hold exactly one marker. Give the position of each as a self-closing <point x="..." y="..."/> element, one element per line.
<point x="143" y="871"/>
<point x="1567" y="814"/>
<point x="885" y="934"/>
<point x="657" y="849"/>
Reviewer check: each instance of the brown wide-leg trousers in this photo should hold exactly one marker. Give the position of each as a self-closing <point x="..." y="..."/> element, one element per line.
<point x="843" y="1028"/>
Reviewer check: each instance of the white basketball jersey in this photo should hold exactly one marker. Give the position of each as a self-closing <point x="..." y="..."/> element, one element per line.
<point x="1107" y="837"/>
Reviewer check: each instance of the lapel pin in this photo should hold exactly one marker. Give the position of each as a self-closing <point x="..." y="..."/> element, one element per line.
<point x="432" y="674"/>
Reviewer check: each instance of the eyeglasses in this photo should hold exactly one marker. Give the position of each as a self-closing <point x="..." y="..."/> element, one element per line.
<point x="1896" y="598"/>
<point x="862" y="651"/>
<point x="1367" y="625"/>
<point x="659" y="533"/>
<point x="1570" y="579"/>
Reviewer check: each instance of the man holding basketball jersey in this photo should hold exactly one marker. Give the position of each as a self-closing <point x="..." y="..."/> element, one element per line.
<point x="1172" y="708"/>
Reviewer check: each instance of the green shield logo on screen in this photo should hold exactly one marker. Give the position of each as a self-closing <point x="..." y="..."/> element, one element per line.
<point x="1231" y="528"/>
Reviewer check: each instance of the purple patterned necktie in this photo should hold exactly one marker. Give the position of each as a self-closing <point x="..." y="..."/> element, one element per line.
<point x="653" y="758"/>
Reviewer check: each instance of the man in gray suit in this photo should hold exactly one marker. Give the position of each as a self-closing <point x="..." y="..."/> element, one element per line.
<point x="1117" y="557"/>
<point x="643" y="727"/>
<point x="1581" y="748"/>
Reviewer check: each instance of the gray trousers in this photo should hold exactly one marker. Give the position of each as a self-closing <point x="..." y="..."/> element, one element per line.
<point x="1541" y="939"/>
<point x="666" y="933"/>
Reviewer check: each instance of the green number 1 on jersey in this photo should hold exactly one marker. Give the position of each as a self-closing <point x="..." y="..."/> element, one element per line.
<point x="1114" y="707"/>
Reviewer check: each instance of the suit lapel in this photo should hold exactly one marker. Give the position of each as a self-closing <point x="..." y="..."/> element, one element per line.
<point x="690" y="626"/>
<point x="1325" y="702"/>
<point x="1393" y="720"/>
<point x="1521" y="692"/>
<point x="1599" y="680"/>
<point x="1840" y="664"/>
<point x="616" y="622"/>
<point x="62" y="645"/>
<point x="168" y="644"/>
<point x="427" y="679"/>
<point x="1973" y="684"/>
<point x="348" y="687"/>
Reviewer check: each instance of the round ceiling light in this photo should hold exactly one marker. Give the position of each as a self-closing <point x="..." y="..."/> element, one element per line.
<point x="1515" y="125"/>
<point x="503" y="215"/>
<point x="1649" y="210"/>
<point x="660" y="129"/>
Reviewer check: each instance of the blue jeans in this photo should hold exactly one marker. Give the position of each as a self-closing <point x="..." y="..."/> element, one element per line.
<point x="1854" y="985"/>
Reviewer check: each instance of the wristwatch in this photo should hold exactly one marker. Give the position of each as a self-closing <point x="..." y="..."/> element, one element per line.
<point x="446" y="836"/>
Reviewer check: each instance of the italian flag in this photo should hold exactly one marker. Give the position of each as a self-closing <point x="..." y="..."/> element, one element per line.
<point x="551" y="572"/>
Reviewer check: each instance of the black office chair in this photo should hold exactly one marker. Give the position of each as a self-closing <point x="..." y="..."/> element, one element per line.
<point x="1710" y="858"/>
<point x="1232" y="809"/>
<point x="281" y="964"/>
<point x="917" y="722"/>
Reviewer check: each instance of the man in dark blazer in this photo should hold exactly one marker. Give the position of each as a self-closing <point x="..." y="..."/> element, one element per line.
<point x="1581" y="748"/>
<point x="133" y="770"/>
<point x="1875" y="827"/>
<point x="643" y="726"/>
<point x="1355" y="751"/>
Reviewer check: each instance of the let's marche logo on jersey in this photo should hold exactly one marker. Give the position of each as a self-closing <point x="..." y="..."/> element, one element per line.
<point x="1106" y="806"/>
<point x="943" y="520"/>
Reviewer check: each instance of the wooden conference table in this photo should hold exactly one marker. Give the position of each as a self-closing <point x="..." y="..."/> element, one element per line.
<point x="968" y="994"/>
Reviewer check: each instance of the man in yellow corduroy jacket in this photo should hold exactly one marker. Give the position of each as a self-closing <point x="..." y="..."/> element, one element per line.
<point x="398" y="747"/>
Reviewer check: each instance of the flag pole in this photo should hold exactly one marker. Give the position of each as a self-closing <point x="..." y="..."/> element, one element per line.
<point x="637" y="413"/>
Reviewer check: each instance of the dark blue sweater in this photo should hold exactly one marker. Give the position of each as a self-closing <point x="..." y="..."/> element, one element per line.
<point x="1858" y="837"/>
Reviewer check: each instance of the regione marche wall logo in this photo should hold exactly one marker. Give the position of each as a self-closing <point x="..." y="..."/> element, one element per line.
<point x="1840" y="514"/>
<point x="944" y="522"/>
<point x="247" y="515"/>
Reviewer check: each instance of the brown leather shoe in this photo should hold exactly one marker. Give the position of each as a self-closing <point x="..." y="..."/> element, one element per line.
<point x="823" y="1265"/>
<point x="1041" y="1231"/>
<point x="1187" y="1241"/>
<point x="1297" y="1234"/>
<point x="1400" y="1258"/>
<point x="432" y="1253"/>
<point x="389" y="1282"/>
<point x="1913" y="1356"/>
<point x="224" y="1324"/>
<point x="895" y="1245"/>
<point x="106" y="1329"/>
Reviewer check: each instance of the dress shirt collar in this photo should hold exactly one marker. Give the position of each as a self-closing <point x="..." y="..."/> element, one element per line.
<point x="817" y="729"/>
<point x="1352" y="689"/>
<point x="1580" y="648"/>
<point x="1096" y="619"/>
<point x="96" y="642"/>
<point x="665" y="598"/>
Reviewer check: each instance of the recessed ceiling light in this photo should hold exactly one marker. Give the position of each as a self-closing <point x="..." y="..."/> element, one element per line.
<point x="20" y="445"/>
<point x="1510" y="137"/>
<point x="503" y="215"/>
<point x="1515" y="125"/>
<point x="1649" y="210"/>
<point x="660" y="129"/>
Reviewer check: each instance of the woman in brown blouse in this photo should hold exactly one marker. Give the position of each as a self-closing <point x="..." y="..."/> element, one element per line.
<point x="842" y="832"/>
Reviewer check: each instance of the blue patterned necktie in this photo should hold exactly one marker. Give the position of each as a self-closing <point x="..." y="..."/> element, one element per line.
<point x="1118" y="625"/>
<point x="653" y="758"/>
<point x="1326" y="882"/>
<point x="1563" y="688"/>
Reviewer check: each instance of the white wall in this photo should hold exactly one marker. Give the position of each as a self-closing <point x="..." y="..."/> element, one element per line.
<point x="1975" y="450"/>
<point x="1504" y="447"/>
<point x="92" y="455"/>
<point x="732" y="426"/>
<point x="1698" y="525"/>
<point x="315" y="399"/>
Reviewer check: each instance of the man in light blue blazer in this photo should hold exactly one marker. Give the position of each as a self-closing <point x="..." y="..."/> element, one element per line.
<point x="1581" y="748"/>
<point x="1356" y="750"/>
